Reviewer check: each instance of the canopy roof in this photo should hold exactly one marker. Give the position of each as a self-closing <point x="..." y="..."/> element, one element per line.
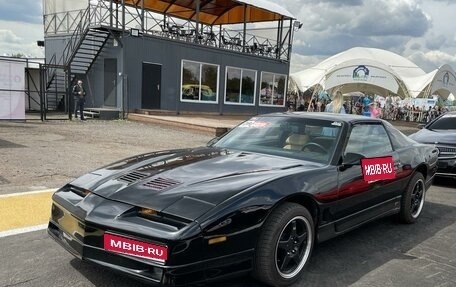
<point x="389" y="73"/>
<point x="217" y="12"/>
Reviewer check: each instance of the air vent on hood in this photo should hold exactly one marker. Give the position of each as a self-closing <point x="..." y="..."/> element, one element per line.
<point x="161" y="183"/>
<point x="132" y="177"/>
<point x="79" y="191"/>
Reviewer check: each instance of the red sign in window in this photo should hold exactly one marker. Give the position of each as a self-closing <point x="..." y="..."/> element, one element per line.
<point x="129" y="246"/>
<point x="378" y="168"/>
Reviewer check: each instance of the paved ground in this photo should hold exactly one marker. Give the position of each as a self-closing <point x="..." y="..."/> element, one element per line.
<point x="46" y="155"/>
<point x="38" y="155"/>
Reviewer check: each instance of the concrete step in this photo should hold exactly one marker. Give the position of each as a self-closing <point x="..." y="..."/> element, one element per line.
<point x="216" y="125"/>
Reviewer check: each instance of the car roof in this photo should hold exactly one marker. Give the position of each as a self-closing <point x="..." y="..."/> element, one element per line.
<point x="347" y="118"/>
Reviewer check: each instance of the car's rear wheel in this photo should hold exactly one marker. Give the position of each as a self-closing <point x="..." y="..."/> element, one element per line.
<point x="284" y="246"/>
<point x="413" y="199"/>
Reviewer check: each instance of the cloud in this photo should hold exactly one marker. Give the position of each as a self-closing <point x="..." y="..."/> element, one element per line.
<point x="29" y="11"/>
<point x="7" y="36"/>
<point x="330" y="44"/>
<point x="332" y="26"/>
<point x="338" y="3"/>
<point x="21" y="38"/>
<point x="449" y="2"/>
<point x="431" y="60"/>
<point x="300" y="62"/>
<point x="401" y="19"/>
<point x="418" y="30"/>
<point x="435" y="42"/>
<point x="415" y="46"/>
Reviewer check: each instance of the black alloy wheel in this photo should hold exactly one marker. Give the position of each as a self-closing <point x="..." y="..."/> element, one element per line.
<point x="285" y="245"/>
<point x="413" y="199"/>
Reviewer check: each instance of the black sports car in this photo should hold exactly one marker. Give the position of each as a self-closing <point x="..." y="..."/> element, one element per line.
<point x="442" y="133"/>
<point x="254" y="201"/>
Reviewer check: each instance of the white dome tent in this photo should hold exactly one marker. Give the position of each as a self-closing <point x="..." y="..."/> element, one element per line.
<point x="376" y="71"/>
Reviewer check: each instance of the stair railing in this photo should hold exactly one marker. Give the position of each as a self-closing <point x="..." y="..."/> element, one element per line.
<point x="50" y="71"/>
<point x="91" y="15"/>
<point x="68" y="51"/>
<point x="75" y="39"/>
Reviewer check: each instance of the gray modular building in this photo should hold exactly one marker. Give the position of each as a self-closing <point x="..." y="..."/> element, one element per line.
<point x="223" y="57"/>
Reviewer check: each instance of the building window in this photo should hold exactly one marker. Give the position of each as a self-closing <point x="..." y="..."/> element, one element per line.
<point x="272" y="92"/>
<point x="199" y="82"/>
<point x="240" y="86"/>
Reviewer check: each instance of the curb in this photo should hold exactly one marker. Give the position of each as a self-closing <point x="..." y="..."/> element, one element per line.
<point x="217" y="131"/>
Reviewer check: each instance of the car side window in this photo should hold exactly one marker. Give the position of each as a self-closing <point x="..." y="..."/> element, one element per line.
<point x="398" y="139"/>
<point x="369" y="140"/>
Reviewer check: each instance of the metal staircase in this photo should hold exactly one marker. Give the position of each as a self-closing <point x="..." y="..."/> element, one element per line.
<point x="56" y="90"/>
<point x="78" y="56"/>
<point x="90" y="45"/>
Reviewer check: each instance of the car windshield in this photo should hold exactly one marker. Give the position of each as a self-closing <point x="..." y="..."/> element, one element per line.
<point x="446" y="122"/>
<point x="292" y="137"/>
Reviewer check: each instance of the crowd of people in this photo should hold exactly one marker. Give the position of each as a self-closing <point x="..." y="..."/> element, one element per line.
<point x="412" y="113"/>
<point x="364" y="105"/>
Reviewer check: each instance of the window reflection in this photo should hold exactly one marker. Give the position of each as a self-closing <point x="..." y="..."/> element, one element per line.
<point x="240" y="86"/>
<point x="272" y="89"/>
<point x="248" y="86"/>
<point x="209" y="76"/>
<point x="199" y="81"/>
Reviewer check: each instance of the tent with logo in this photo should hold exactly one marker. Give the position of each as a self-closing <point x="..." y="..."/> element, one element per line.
<point x="377" y="72"/>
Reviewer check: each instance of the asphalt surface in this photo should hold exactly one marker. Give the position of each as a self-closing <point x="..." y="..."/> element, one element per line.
<point x="38" y="156"/>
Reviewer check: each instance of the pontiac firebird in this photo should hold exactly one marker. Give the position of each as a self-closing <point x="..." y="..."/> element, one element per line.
<point x="254" y="201"/>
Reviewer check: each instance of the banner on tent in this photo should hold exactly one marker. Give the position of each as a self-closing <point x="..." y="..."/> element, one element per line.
<point x="445" y="80"/>
<point x="12" y="94"/>
<point x="362" y="74"/>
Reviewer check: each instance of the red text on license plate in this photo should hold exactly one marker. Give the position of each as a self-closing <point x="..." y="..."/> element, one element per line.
<point x="129" y="246"/>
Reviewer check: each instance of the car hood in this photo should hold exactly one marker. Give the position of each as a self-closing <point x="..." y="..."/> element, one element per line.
<point x="186" y="183"/>
<point x="434" y="136"/>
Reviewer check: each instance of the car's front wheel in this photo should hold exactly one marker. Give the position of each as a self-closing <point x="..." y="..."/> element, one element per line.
<point x="285" y="245"/>
<point x="413" y="199"/>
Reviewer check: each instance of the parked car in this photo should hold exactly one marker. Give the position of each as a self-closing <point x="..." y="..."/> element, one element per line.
<point x="442" y="133"/>
<point x="255" y="200"/>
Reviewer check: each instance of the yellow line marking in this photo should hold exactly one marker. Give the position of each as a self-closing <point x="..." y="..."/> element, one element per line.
<point x="22" y="230"/>
<point x="27" y="192"/>
<point x="24" y="210"/>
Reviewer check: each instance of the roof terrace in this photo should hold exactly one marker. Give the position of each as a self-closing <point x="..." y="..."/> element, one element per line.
<point x="254" y="27"/>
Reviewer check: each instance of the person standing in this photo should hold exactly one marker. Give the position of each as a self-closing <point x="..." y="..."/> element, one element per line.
<point x="337" y="104"/>
<point x="79" y="100"/>
<point x="375" y="110"/>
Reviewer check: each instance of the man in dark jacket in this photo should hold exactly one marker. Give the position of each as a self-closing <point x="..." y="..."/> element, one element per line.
<point x="79" y="100"/>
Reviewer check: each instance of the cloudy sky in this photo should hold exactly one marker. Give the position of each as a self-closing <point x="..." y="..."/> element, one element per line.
<point x="424" y="31"/>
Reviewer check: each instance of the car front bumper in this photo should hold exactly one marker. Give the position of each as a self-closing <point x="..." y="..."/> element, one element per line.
<point x="446" y="167"/>
<point x="187" y="262"/>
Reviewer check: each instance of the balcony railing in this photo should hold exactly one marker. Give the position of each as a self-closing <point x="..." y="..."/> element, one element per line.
<point x="260" y="41"/>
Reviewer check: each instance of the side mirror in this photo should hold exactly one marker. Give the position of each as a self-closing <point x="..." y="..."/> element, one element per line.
<point x="351" y="159"/>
